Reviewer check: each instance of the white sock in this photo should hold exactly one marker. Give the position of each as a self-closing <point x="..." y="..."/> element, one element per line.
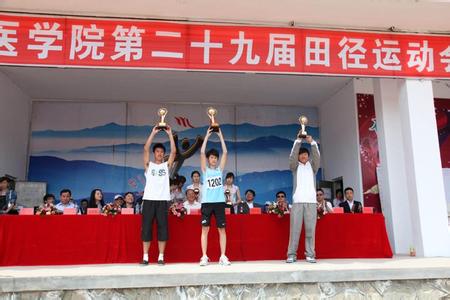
<point x="145" y="256"/>
<point x="161" y="256"/>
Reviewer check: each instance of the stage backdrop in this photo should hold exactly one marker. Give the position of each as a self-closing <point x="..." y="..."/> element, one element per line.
<point x="83" y="146"/>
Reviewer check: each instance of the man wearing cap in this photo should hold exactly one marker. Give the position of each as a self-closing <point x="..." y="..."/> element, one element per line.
<point x="118" y="200"/>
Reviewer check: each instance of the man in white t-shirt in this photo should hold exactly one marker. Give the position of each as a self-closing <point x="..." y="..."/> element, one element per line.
<point x="304" y="207"/>
<point x="155" y="203"/>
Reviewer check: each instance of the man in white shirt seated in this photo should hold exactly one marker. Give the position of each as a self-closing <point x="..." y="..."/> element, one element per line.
<point x="191" y="201"/>
<point x="65" y="201"/>
<point x="323" y="206"/>
<point x="196" y="185"/>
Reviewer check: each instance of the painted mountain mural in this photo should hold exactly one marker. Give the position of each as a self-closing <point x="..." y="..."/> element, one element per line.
<point x="110" y="157"/>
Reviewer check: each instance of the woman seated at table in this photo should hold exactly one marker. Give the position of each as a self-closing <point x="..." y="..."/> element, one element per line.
<point x="96" y="200"/>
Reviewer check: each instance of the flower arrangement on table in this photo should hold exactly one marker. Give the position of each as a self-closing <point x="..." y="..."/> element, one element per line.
<point x="47" y="209"/>
<point x="278" y="208"/>
<point x="111" y="209"/>
<point x="177" y="209"/>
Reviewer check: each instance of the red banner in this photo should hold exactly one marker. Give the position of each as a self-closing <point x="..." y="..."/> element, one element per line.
<point x="368" y="148"/>
<point x="117" y="43"/>
<point x="442" y="108"/>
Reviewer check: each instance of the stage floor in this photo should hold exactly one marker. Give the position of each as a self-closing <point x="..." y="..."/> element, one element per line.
<point x="125" y="276"/>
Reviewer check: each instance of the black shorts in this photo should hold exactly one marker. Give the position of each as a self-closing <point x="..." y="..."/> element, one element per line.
<point x="152" y="209"/>
<point x="216" y="209"/>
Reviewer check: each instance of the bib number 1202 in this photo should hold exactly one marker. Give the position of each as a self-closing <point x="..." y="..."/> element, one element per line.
<point x="214" y="182"/>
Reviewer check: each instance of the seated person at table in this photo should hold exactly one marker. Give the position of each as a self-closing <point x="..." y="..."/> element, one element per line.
<point x="130" y="203"/>
<point x="6" y="195"/>
<point x="245" y="206"/>
<point x="191" y="201"/>
<point x="323" y="207"/>
<point x="84" y="204"/>
<point x="176" y="193"/>
<point x="350" y="205"/>
<point x="232" y="193"/>
<point x="65" y="201"/>
<point x="339" y="198"/>
<point x="196" y="185"/>
<point x="49" y="199"/>
<point x="96" y="200"/>
<point x="282" y="202"/>
<point x="118" y="200"/>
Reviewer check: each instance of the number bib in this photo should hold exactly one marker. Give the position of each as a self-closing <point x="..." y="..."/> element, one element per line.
<point x="212" y="186"/>
<point x="214" y="183"/>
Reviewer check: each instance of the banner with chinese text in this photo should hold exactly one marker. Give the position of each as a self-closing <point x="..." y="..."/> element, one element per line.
<point x="119" y="43"/>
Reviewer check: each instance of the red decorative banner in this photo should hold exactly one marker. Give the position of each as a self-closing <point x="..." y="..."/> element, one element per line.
<point x="368" y="148"/>
<point x="442" y="108"/>
<point x="117" y="43"/>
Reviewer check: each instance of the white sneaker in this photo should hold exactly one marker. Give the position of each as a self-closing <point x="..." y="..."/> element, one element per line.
<point x="224" y="261"/>
<point x="204" y="261"/>
<point x="311" y="260"/>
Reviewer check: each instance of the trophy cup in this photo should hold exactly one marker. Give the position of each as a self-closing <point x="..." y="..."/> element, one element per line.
<point x="162" y="125"/>
<point x="212" y="112"/>
<point x="227" y="197"/>
<point x="302" y="133"/>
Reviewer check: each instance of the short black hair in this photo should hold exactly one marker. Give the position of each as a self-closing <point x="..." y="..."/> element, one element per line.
<point x="229" y="175"/>
<point x="250" y="191"/>
<point x="84" y="200"/>
<point x="338" y="191"/>
<point x="159" y="145"/>
<point x="65" y="191"/>
<point x="320" y="190"/>
<point x="195" y="172"/>
<point x="4" y="178"/>
<point x="303" y="150"/>
<point x="182" y="179"/>
<point x="348" y="189"/>
<point x="212" y="152"/>
<point x="127" y="194"/>
<point x="48" y="196"/>
<point x="280" y="192"/>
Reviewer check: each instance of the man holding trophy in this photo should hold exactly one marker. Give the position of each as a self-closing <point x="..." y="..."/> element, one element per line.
<point x="155" y="204"/>
<point x="304" y="169"/>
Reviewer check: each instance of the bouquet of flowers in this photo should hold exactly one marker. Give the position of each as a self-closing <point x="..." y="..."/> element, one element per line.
<point x="111" y="209"/>
<point x="178" y="209"/>
<point x="47" y="209"/>
<point x="320" y="211"/>
<point x="277" y="208"/>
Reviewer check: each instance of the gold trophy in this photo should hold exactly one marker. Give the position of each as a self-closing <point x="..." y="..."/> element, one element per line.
<point x="212" y="112"/>
<point x="228" y="197"/>
<point x="162" y="125"/>
<point x="303" y="121"/>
